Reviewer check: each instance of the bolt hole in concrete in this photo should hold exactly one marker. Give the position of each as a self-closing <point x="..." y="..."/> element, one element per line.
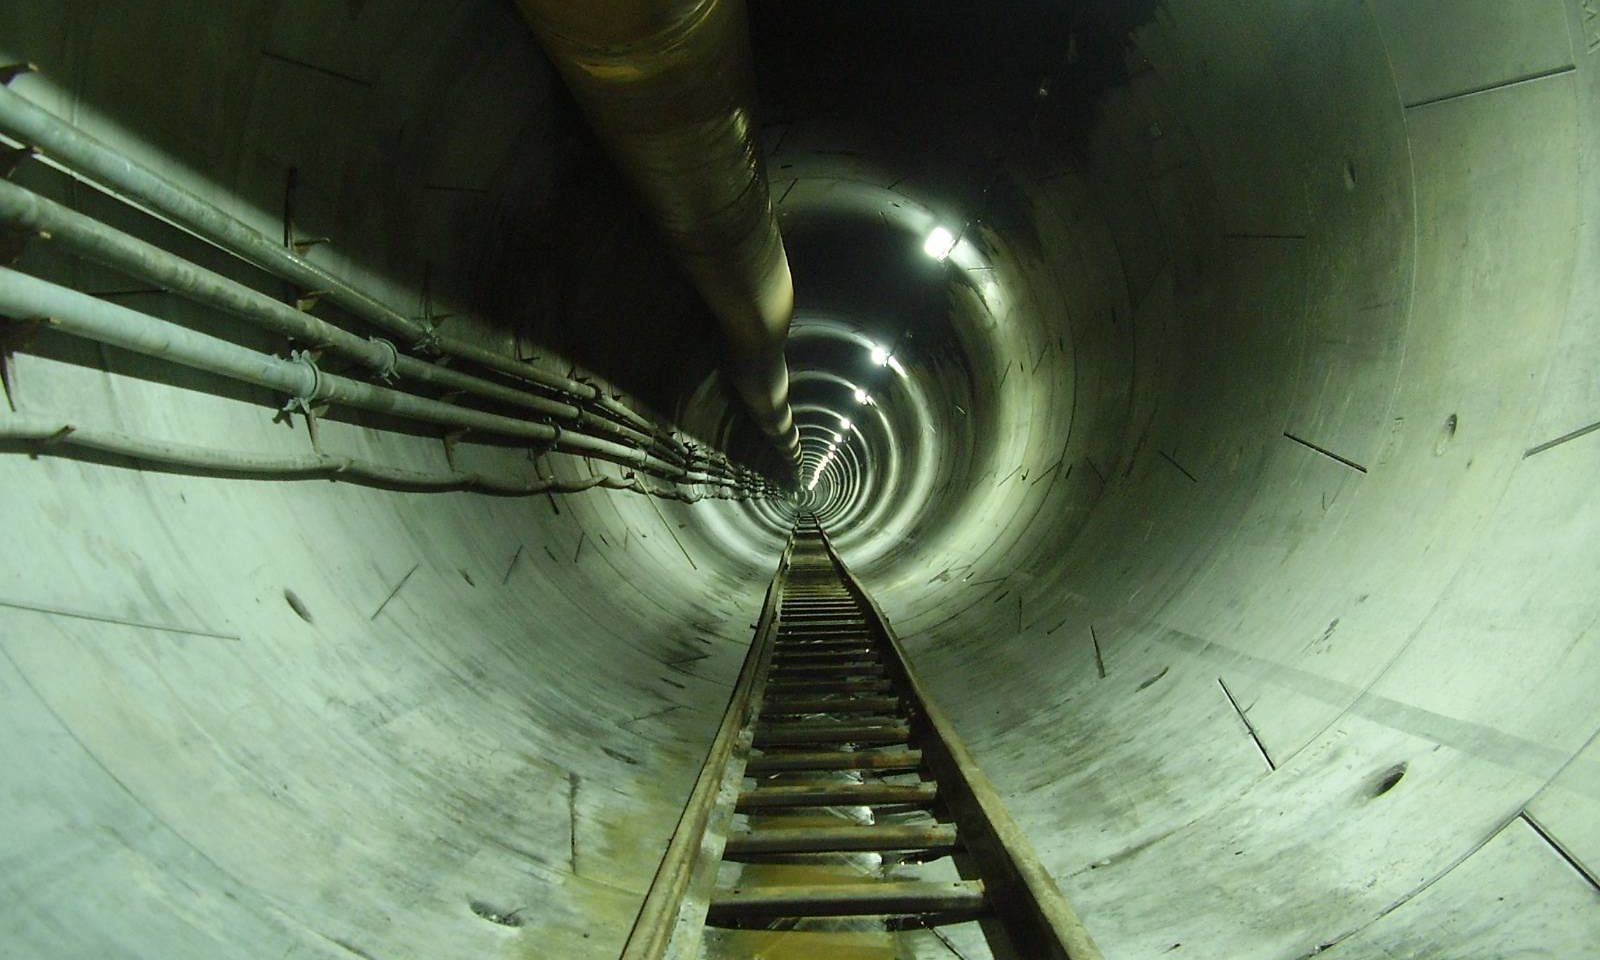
<point x="467" y="577"/>
<point x="505" y="918"/>
<point x="1446" y="434"/>
<point x="1388" y="780"/>
<point x="297" y="605"/>
<point x="1349" y="174"/>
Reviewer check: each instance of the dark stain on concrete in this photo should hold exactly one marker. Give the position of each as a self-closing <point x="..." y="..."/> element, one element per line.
<point x="297" y="605"/>
<point x="618" y="755"/>
<point x="1153" y="679"/>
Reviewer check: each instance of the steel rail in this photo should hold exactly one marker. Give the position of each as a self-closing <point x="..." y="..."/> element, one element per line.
<point x="677" y="892"/>
<point x="1003" y="886"/>
<point x="1039" y="920"/>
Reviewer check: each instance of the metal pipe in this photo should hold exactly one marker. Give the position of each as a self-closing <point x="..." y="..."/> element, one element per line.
<point x="669" y="87"/>
<point x="129" y="255"/>
<point x="46" y="435"/>
<point x="86" y="156"/>
<point x="25" y="297"/>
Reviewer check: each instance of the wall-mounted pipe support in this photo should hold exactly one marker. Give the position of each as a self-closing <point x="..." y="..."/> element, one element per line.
<point x="669" y="87"/>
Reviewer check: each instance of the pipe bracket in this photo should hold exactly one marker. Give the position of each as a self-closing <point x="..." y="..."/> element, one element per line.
<point x="387" y="371"/>
<point x="321" y="388"/>
<point x="428" y="344"/>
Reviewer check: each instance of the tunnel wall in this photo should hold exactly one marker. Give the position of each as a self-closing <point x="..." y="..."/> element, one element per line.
<point x="1319" y="673"/>
<point x="1282" y="641"/>
<point x="253" y="718"/>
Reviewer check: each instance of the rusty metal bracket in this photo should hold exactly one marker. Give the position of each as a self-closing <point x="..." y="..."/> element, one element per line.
<point x="307" y="302"/>
<point x="310" y="411"/>
<point x="15" y="335"/>
<point x="450" y="439"/>
<point x="50" y="441"/>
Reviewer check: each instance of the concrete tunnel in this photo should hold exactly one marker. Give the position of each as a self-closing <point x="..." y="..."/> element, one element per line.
<point x="1213" y="390"/>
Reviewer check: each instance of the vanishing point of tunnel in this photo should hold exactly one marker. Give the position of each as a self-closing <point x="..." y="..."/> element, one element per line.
<point x="407" y="406"/>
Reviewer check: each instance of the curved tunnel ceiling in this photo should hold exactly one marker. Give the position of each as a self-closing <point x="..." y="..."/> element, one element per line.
<point x="1232" y="481"/>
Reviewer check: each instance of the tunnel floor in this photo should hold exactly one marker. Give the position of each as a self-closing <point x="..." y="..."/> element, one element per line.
<point x="838" y="814"/>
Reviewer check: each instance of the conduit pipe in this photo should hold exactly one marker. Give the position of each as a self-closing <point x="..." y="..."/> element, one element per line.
<point x="83" y="155"/>
<point x="46" y="435"/>
<point x="23" y="297"/>
<point x="669" y="87"/>
<point x="89" y="238"/>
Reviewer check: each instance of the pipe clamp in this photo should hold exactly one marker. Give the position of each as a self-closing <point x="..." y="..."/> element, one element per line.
<point x="387" y="372"/>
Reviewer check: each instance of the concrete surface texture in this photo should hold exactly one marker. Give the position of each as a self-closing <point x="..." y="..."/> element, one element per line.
<point x="1232" y="484"/>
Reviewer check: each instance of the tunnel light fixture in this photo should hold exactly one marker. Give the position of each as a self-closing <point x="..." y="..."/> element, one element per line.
<point x="844" y="423"/>
<point x="862" y="396"/>
<point x="939" y="243"/>
<point x="880" y="355"/>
